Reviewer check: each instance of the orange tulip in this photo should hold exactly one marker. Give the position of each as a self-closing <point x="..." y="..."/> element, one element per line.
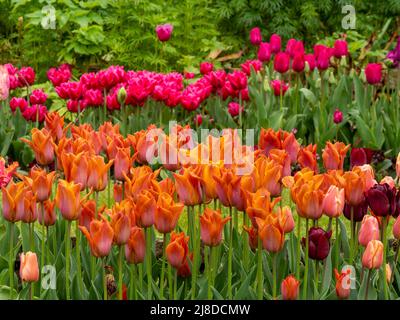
<point x="121" y="224"/>
<point x="269" y="139"/>
<point x="307" y="194"/>
<point x="135" y="249"/>
<point x="42" y="146"/>
<point x="100" y="237"/>
<point x="146" y="144"/>
<point x="286" y="220"/>
<point x="369" y="230"/>
<point x="88" y="213"/>
<point x="122" y="163"/>
<point x="290" y="288"/>
<point x="343" y="288"/>
<point x="307" y="157"/>
<point x="75" y="167"/>
<point x="27" y="209"/>
<point x="54" y="124"/>
<point x="42" y="183"/>
<point x="168" y="153"/>
<point x="269" y="175"/>
<point x="13" y="198"/>
<point x="6" y="172"/>
<point x="333" y="203"/>
<point x="29" y="267"/>
<point x="97" y="177"/>
<point x="168" y="186"/>
<point x="253" y="236"/>
<point x="211" y="226"/>
<point x="177" y="250"/>
<point x="259" y="205"/>
<point x="141" y="178"/>
<point x="188" y="187"/>
<point x="167" y="213"/>
<point x="68" y="199"/>
<point x="355" y="186"/>
<point x="118" y="196"/>
<point x="373" y="255"/>
<point x="49" y="213"/>
<point x="145" y="209"/>
<point x="334" y="154"/>
<point x="271" y="233"/>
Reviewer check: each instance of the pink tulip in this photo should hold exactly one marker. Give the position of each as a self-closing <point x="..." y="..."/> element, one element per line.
<point x="255" y="36"/>
<point x="333" y="203"/>
<point x="369" y="230"/>
<point x="281" y="62"/>
<point x="264" y="52"/>
<point x="164" y="32"/>
<point x="373" y="73"/>
<point x="275" y="43"/>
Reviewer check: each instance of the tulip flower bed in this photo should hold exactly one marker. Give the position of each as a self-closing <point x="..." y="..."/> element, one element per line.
<point x="108" y="193"/>
<point x="157" y="216"/>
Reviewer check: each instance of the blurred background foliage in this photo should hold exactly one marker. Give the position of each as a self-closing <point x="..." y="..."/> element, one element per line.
<point x="96" y="33"/>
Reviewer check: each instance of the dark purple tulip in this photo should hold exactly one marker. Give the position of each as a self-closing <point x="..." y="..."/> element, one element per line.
<point x="360" y="156"/>
<point x="381" y="198"/>
<point x="318" y="245"/>
<point x="359" y="211"/>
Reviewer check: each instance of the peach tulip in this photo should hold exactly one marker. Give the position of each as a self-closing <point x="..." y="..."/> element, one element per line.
<point x="29" y="267"/>
<point x="369" y="230"/>
<point x="333" y="203"/>
<point x="373" y="255"/>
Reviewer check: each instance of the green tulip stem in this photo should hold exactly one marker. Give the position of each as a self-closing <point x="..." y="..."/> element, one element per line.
<point x="306" y="264"/>
<point x="259" y="271"/>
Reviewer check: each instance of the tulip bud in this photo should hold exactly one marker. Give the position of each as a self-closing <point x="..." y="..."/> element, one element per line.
<point x="290" y="288"/>
<point x="29" y="268"/>
<point x="121" y="95"/>
<point x="337" y="116"/>
<point x="373" y="255"/>
<point x="343" y="62"/>
<point x="332" y="79"/>
<point x="388" y="273"/>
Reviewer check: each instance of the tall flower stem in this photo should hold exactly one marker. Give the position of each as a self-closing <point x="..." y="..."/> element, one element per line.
<point x="11" y="259"/>
<point x="306" y="265"/>
<point x="368" y="280"/>
<point x="132" y="286"/>
<point x="196" y="254"/>
<point x="67" y="260"/>
<point x="352" y="235"/>
<point x="149" y="264"/>
<point x="212" y="271"/>
<point x="274" y="275"/>
<point x="384" y="240"/>
<point x="78" y="257"/>
<point x="42" y="256"/>
<point x="170" y="282"/>
<point x="260" y="279"/>
<point x="245" y="244"/>
<point x="163" y="267"/>
<point x="120" y="271"/>
<point x="230" y="252"/>
<point x="298" y="248"/>
<point x="105" y="293"/>
<point x="316" y="279"/>
<point x="338" y="243"/>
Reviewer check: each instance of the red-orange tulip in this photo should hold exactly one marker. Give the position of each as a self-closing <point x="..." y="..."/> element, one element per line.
<point x="145" y="209"/>
<point x="98" y="173"/>
<point x="177" y="250"/>
<point x="121" y="225"/>
<point x="42" y="183"/>
<point x="27" y="209"/>
<point x="29" y="267"/>
<point x="49" y="213"/>
<point x="100" y="237"/>
<point x="290" y="288"/>
<point x="271" y="233"/>
<point x="54" y="123"/>
<point x="135" y="249"/>
<point x="75" y="167"/>
<point x="68" y="199"/>
<point x="13" y="198"/>
<point x="307" y="157"/>
<point x="188" y="187"/>
<point x="211" y="226"/>
<point x="334" y="154"/>
<point x="122" y="163"/>
<point x="42" y="146"/>
<point x="167" y="213"/>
